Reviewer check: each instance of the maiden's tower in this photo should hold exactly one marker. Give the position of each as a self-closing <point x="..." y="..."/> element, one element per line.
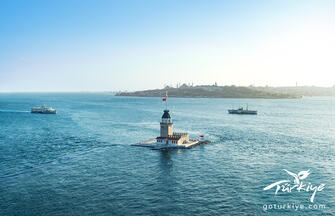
<point x="168" y="138"/>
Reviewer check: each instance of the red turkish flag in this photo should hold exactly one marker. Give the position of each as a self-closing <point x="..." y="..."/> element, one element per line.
<point x="164" y="99"/>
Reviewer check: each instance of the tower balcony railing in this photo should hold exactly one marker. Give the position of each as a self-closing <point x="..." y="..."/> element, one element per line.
<point x="179" y="134"/>
<point x="166" y="120"/>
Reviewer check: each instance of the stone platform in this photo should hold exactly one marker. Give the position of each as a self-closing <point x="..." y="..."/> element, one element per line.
<point x="153" y="144"/>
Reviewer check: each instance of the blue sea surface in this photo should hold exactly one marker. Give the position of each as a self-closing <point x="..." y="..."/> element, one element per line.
<point x="81" y="162"/>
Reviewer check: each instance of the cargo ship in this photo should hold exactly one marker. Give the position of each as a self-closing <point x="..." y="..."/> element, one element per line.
<point x="43" y="110"/>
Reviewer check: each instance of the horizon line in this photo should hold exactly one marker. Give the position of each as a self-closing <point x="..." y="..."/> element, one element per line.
<point x="116" y="91"/>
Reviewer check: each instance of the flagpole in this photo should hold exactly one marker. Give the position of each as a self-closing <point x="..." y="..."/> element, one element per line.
<point x="165" y="100"/>
<point x="166" y="95"/>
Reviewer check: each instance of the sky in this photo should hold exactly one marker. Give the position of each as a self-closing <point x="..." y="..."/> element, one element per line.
<point x="97" y="45"/>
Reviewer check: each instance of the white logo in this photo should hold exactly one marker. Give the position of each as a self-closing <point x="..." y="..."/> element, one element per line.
<point x="299" y="185"/>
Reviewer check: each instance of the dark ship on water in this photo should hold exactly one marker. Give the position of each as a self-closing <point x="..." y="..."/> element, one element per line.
<point x="242" y="111"/>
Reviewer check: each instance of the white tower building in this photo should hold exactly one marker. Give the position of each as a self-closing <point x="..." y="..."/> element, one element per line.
<point x="166" y="125"/>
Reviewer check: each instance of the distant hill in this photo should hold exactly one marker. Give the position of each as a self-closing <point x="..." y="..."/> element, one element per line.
<point x="207" y="91"/>
<point x="308" y="91"/>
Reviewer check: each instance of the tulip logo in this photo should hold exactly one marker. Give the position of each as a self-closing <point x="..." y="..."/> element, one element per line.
<point x="301" y="175"/>
<point x="298" y="184"/>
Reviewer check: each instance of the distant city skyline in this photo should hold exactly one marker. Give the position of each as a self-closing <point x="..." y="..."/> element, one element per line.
<point x="135" y="45"/>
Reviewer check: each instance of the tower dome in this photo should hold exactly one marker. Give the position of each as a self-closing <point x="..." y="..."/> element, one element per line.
<point x="166" y="115"/>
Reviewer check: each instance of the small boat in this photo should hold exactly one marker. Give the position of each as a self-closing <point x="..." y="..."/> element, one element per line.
<point x="241" y="110"/>
<point x="44" y="110"/>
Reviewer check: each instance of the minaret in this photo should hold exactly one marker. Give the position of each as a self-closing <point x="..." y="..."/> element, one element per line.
<point x="166" y="124"/>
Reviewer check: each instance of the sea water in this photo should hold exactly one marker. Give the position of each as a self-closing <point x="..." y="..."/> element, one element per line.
<point x="81" y="162"/>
